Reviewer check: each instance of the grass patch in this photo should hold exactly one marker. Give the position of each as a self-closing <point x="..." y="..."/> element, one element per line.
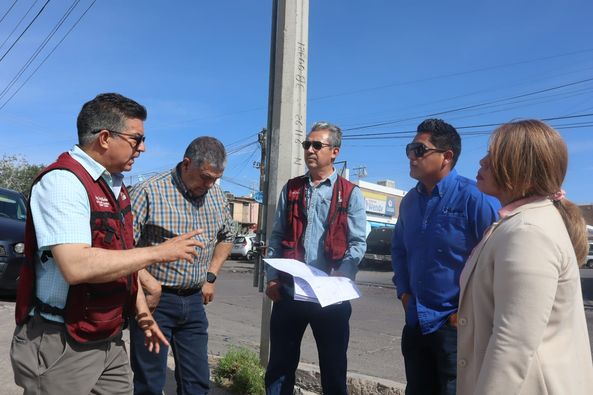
<point x="240" y="369"/>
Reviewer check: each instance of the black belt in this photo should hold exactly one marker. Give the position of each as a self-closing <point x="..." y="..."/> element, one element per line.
<point x="181" y="291"/>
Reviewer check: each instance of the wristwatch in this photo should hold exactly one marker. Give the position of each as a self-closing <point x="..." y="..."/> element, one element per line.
<point x="210" y="277"/>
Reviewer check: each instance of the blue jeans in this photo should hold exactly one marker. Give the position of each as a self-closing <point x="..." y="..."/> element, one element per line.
<point x="331" y="329"/>
<point x="431" y="360"/>
<point x="183" y="321"/>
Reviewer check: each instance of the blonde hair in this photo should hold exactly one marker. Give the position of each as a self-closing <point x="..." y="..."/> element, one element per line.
<point x="529" y="158"/>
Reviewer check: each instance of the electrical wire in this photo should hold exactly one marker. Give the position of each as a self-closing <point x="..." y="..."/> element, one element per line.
<point x="48" y="55"/>
<point x="39" y="49"/>
<point x="456" y="74"/>
<point x="9" y="9"/>
<point x="411" y="133"/>
<point x="24" y="31"/>
<point x="18" y="23"/>
<point x="467" y="107"/>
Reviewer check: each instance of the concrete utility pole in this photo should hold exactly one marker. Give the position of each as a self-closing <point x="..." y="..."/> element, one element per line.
<point x="287" y="116"/>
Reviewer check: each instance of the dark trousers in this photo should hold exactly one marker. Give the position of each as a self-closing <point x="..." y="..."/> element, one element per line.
<point x="183" y="321"/>
<point x="431" y="360"/>
<point x="331" y="330"/>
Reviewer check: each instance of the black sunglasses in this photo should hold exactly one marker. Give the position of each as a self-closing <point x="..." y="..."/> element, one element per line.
<point x="420" y="149"/>
<point x="317" y="145"/>
<point x="138" y="138"/>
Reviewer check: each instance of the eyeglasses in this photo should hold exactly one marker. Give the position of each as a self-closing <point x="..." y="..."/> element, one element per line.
<point x="420" y="149"/>
<point x="317" y="145"/>
<point x="138" y="138"/>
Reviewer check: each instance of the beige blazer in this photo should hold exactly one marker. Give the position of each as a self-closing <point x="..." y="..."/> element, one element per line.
<point x="521" y="323"/>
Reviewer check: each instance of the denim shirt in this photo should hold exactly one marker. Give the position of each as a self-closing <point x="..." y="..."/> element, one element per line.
<point x="433" y="238"/>
<point x="318" y="203"/>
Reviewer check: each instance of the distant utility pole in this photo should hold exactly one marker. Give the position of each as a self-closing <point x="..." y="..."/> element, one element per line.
<point x="258" y="273"/>
<point x="287" y="118"/>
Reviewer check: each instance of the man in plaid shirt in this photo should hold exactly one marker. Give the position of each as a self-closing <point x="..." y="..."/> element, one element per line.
<point x="165" y="206"/>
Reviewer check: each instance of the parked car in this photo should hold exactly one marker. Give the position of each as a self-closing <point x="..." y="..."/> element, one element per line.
<point x="590" y="256"/>
<point x="243" y="247"/>
<point x="13" y="212"/>
<point x="378" y="253"/>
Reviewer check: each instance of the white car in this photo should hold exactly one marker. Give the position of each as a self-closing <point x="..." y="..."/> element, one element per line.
<point x="589" y="263"/>
<point x="243" y="247"/>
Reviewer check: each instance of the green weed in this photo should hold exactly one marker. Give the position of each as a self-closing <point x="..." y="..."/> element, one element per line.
<point x="241" y="369"/>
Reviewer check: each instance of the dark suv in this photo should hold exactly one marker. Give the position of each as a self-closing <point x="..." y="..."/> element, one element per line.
<point x="13" y="212"/>
<point x="378" y="253"/>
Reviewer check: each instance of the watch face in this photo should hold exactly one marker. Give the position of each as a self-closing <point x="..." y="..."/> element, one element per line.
<point x="210" y="277"/>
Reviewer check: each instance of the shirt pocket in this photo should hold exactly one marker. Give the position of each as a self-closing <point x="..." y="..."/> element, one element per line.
<point x="450" y="234"/>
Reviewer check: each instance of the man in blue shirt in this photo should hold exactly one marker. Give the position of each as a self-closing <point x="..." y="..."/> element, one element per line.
<point x="440" y="221"/>
<point x="300" y="231"/>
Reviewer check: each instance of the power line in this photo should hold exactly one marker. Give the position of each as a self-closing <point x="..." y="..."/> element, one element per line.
<point x="230" y="181"/>
<point x="402" y="83"/>
<point x="411" y="133"/>
<point x="24" y="31"/>
<point x="456" y="74"/>
<point x="39" y="49"/>
<point x="488" y="89"/>
<point x="249" y="137"/>
<point x="472" y="106"/>
<point x="7" y="12"/>
<point x="48" y="55"/>
<point x="241" y="148"/>
<point x="18" y="23"/>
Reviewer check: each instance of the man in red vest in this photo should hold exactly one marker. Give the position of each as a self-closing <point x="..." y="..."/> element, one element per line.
<point x="79" y="285"/>
<point x="320" y="220"/>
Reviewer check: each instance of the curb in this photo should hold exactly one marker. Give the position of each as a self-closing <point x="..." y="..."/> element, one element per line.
<point x="308" y="381"/>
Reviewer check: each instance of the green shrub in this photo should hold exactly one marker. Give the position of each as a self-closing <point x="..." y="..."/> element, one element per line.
<point x="240" y="367"/>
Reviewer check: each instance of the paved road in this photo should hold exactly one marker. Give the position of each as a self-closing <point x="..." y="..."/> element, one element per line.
<point x="235" y="316"/>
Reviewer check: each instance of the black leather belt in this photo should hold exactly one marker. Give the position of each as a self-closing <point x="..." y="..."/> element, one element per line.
<point x="181" y="291"/>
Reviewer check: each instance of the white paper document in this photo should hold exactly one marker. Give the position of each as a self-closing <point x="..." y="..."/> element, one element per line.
<point x="314" y="285"/>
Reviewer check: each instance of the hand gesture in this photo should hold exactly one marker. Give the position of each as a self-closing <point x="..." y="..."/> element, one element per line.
<point x="180" y="247"/>
<point x="153" y="337"/>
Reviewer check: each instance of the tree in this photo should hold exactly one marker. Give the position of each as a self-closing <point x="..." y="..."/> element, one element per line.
<point x="17" y="174"/>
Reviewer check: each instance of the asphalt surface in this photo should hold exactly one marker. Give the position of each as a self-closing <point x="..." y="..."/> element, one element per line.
<point x="235" y="317"/>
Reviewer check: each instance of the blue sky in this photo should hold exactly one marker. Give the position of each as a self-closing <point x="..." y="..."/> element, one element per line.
<point x="201" y="68"/>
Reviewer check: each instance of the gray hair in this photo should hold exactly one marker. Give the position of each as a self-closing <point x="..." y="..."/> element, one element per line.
<point x="206" y="150"/>
<point x="335" y="135"/>
<point x="108" y="111"/>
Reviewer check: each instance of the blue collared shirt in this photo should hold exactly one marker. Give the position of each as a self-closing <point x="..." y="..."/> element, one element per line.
<point x="319" y="200"/>
<point x="433" y="238"/>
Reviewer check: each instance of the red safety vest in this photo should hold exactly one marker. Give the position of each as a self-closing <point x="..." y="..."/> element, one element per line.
<point x="93" y="312"/>
<point x="336" y="226"/>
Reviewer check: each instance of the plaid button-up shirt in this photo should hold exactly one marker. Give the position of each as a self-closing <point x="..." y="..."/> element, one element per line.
<point x="163" y="208"/>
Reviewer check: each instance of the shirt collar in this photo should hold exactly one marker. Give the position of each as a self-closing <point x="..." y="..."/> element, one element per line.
<point x="330" y="180"/>
<point x="442" y="186"/>
<point x="176" y="175"/>
<point x="94" y="168"/>
<point x="522" y="204"/>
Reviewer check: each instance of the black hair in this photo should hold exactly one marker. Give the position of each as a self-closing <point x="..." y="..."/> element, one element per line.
<point x="106" y="111"/>
<point x="442" y="135"/>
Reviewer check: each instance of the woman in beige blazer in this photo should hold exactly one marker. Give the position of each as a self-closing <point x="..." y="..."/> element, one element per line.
<point x="521" y="322"/>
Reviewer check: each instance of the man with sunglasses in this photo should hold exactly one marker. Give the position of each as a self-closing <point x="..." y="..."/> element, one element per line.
<point x="170" y="203"/>
<point x="440" y="221"/>
<point x="78" y="286"/>
<point x="320" y="220"/>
